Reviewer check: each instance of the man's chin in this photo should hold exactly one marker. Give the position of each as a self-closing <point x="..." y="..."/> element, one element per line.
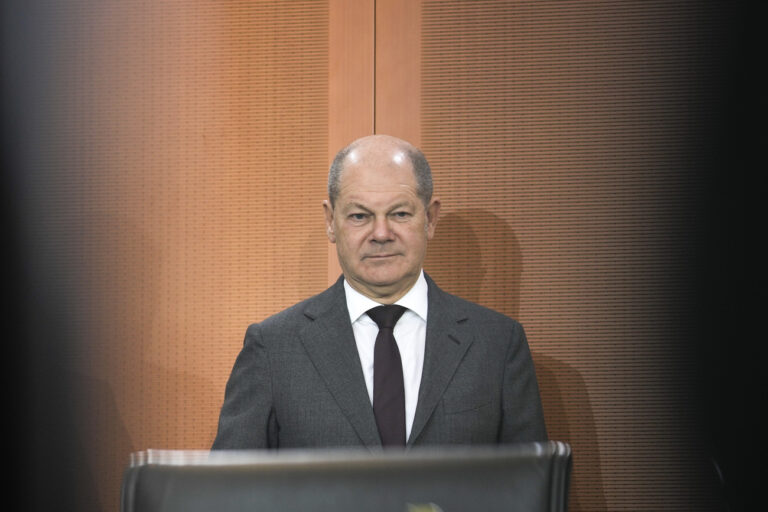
<point x="390" y="281"/>
<point x="381" y="282"/>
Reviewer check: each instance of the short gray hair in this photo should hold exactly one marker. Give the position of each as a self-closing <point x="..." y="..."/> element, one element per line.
<point x="421" y="171"/>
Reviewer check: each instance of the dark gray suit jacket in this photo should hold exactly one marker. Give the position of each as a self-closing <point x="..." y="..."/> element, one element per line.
<point x="298" y="381"/>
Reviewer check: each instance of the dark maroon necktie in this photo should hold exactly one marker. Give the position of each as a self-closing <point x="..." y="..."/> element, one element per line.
<point x="388" y="387"/>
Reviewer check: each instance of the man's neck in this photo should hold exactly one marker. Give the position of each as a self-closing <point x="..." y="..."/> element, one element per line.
<point x="383" y="295"/>
<point x="416" y="300"/>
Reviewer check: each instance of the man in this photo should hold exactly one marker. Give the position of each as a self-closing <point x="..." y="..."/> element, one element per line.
<point x="439" y="370"/>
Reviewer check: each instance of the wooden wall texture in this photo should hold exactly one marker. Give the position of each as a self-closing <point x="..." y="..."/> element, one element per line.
<point x="177" y="193"/>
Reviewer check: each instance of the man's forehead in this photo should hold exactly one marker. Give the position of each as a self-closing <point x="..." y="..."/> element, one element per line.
<point x="381" y="154"/>
<point x="375" y="188"/>
<point x="365" y="179"/>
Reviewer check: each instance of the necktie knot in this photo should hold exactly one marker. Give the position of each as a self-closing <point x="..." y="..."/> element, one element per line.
<point x="386" y="316"/>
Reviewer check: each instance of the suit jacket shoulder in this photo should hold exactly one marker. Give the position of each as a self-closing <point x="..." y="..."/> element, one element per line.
<point x="296" y="317"/>
<point x="479" y="384"/>
<point x="298" y="382"/>
<point x="465" y="308"/>
<point x="479" y="322"/>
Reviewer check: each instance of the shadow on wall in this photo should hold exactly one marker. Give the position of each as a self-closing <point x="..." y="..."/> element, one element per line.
<point x="487" y="274"/>
<point x="102" y="430"/>
<point x="568" y="413"/>
<point x="145" y="401"/>
<point x="476" y="255"/>
<point x="61" y="438"/>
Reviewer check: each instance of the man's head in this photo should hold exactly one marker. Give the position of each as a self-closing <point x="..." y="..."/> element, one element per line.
<point x="380" y="214"/>
<point x="421" y="170"/>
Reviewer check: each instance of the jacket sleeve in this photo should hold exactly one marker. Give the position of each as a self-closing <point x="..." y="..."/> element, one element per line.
<point x="522" y="417"/>
<point x="247" y="419"/>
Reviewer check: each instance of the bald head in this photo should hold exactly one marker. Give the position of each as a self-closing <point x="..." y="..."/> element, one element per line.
<point x="382" y="148"/>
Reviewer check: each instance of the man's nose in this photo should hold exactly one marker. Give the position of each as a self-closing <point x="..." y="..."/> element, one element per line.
<point x="382" y="231"/>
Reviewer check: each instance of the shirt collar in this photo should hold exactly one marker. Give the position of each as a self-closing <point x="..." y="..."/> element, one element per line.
<point x="415" y="300"/>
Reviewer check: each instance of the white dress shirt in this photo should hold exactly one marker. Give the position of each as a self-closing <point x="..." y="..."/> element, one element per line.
<point x="410" y="334"/>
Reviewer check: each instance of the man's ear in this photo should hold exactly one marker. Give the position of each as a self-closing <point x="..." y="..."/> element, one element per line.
<point x="328" y="210"/>
<point x="433" y="211"/>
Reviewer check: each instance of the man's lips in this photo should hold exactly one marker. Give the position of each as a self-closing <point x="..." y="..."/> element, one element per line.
<point x="378" y="256"/>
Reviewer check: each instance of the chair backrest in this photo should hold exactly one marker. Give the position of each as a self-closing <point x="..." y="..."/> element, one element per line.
<point x="526" y="477"/>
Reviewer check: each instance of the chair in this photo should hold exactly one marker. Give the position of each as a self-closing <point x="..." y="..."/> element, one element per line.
<point x="525" y="477"/>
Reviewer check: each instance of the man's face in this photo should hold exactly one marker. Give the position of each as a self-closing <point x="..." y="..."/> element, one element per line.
<point x="379" y="224"/>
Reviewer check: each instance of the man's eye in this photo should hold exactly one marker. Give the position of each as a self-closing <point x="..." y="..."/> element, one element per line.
<point x="357" y="216"/>
<point x="401" y="215"/>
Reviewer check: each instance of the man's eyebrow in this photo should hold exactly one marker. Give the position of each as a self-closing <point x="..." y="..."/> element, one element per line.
<point x="402" y="204"/>
<point x="353" y="206"/>
<point x="356" y="206"/>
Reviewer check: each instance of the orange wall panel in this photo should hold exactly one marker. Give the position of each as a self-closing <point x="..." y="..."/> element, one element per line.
<point x="562" y="155"/>
<point x="183" y="203"/>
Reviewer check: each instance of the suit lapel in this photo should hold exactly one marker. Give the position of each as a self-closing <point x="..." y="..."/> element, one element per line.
<point x="330" y="343"/>
<point x="446" y="343"/>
